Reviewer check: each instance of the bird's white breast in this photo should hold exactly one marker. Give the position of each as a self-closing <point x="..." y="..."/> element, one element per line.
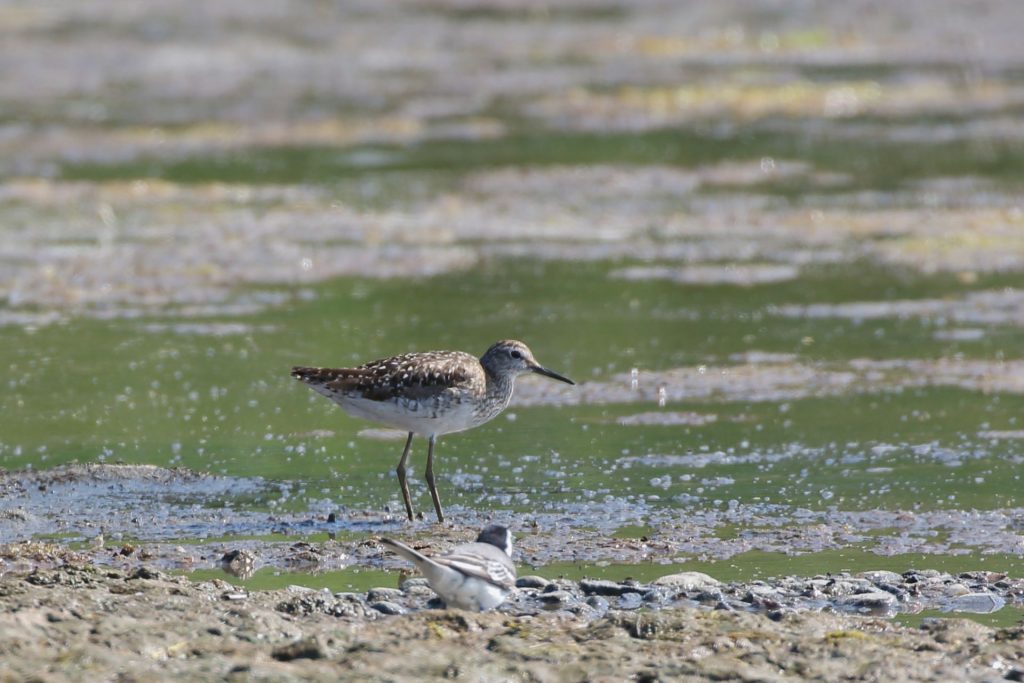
<point x="425" y="418"/>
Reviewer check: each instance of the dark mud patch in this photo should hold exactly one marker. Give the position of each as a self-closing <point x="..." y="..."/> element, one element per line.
<point x="143" y="501"/>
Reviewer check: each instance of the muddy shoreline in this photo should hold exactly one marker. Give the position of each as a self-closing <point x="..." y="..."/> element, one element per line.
<point x="81" y="622"/>
<point x="106" y="606"/>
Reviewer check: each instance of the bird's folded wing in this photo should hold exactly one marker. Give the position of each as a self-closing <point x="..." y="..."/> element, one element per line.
<point x="414" y="376"/>
<point x="494" y="571"/>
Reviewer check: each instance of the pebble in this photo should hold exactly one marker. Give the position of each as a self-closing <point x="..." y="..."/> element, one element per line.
<point x="879" y="592"/>
<point x="387" y="607"/>
<point x="687" y="581"/>
<point x="978" y="603"/>
<point x="879" y="576"/>
<point x="710" y="597"/>
<point x="599" y="604"/>
<point x="870" y="600"/>
<point x="384" y="594"/>
<point x="531" y="581"/>
<point x="605" y="587"/>
<point x="307" y="648"/>
<point x="630" y="600"/>
<point x="555" y="597"/>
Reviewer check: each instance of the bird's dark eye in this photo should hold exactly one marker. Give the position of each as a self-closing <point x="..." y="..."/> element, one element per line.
<point x="515" y="354"/>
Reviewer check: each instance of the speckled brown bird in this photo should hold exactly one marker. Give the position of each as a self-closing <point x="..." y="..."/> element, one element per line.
<point x="430" y="394"/>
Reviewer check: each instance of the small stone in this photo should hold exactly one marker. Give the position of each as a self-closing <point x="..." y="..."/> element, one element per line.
<point x="605" y="587"/>
<point x="956" y="590"/>
<point x="307" y="648"/>
<point x="878" y="576"/>
<point x="630" y="601"/>
<point x="384" y="595"/>
<point x="781" y="613"/>
<point x="687" y="581"/>
<point x="599" y="604"/>
<point x="977" y="603"/>
<point x="386" y="607"/>
<point x="145" y="573"/>
<point x="531" y="581"/>
<point x="877" y="600"/>
<point x="842" y="587"/>
<point x="414" y="582"/>
<point x="555" y="597"/>
<point x="709" y="597"/>
<point x="922" y="574"/>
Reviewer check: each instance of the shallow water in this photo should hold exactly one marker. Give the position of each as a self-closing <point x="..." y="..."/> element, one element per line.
<point x="788" y="283"/>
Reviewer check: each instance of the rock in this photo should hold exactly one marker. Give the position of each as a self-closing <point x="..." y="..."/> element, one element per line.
<point x="956" y="590"/>
<point x="901" y="594"/>
<point x="383" y="594"/>
<point x="347" y="595"/>
<point x="687" y="581"/>
<point x="978" y="603"/>
<point x="983" y="576"/>
<point x="630" y="601"/>
<point x="561" y="585"/>
<point x="555" y="597"/>
<point x="146" y="573"/>
<point x="306" y="648"/>
<point x="599" y="605"/>
<point x="878" y="576"/>
<point x="386" y="607"/>
<point x="841" y="587"/>
<point x="414" y="582"/>
<point x="872" y="600"/>
<point x="765" y="598"/>
<point x="605" y="587"/>
<point x="709" y="597"/>
<point x="781" y="613"/>
<point x="531" y="581"/>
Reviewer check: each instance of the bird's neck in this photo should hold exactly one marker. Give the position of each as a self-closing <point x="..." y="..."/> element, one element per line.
<point x="499" y="390"/>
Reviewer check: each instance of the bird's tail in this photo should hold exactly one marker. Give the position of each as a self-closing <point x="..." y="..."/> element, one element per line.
<point x="316" y="376"/>
<point x="405" y="551"/>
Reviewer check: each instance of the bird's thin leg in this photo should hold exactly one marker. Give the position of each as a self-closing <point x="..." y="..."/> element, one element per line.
<point x="429" y="475"/>
<point x="401" y="477"/>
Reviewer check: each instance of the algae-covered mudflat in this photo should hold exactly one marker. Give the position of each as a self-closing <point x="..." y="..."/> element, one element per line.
<point x="780" y="248"/>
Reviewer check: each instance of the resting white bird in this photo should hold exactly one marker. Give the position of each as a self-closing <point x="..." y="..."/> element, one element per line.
<point x="473" y="576"/>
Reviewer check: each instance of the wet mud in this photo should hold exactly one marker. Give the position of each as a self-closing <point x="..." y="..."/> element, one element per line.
<point x="83" y="623"/>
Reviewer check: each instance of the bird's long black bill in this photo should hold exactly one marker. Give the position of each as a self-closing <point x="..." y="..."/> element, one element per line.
<point x="552" y="374"/>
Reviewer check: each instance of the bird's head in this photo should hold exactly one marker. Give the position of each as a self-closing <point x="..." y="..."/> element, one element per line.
<point x="511" y="357"/>
<point x="498" y="536"/>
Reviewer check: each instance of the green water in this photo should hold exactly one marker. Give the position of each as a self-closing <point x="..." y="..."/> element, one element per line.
<point x="873" y="164"/>
<point x="112" y="391"/>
